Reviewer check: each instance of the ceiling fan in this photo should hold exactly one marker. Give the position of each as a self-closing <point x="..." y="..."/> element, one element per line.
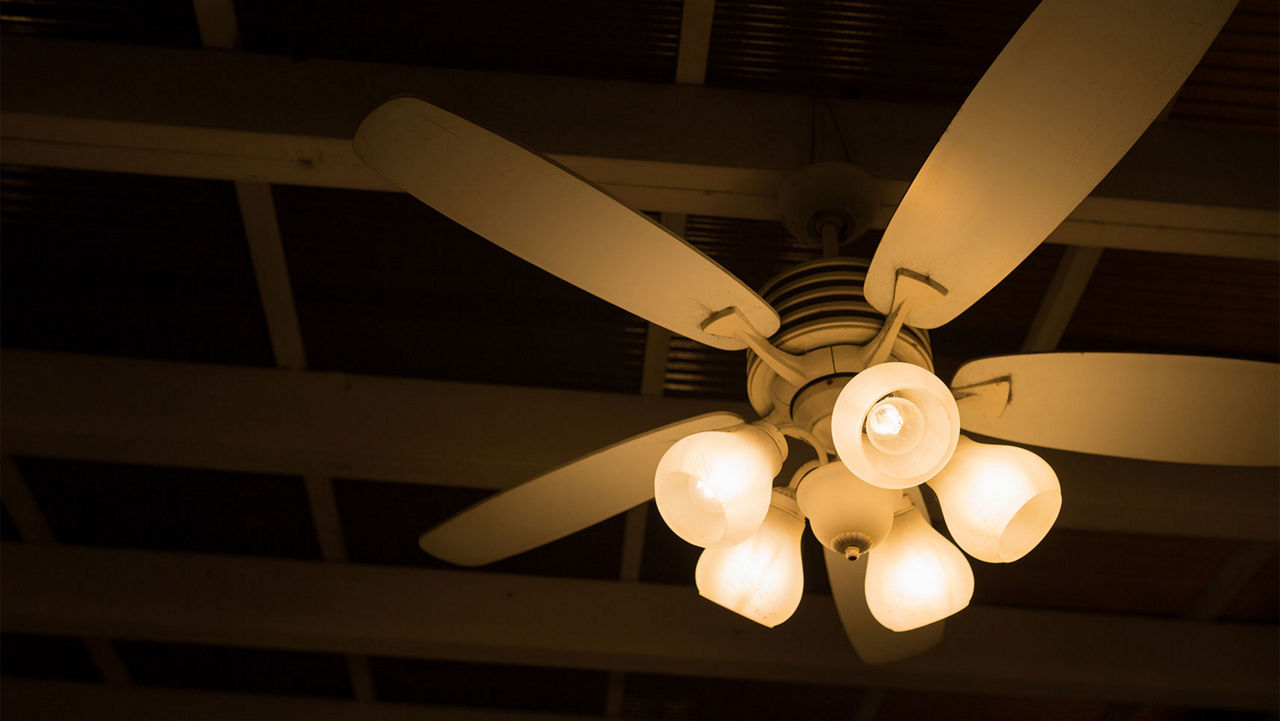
<point x="837" y="353"/>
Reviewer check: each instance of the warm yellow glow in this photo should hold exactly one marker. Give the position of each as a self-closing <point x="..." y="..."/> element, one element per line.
<point x="762" y="577"/>
<point x="713" y="488"/>
<point x="895" y="425"/>
<point x="998" y="501"/>
<point x="915" y="577"/>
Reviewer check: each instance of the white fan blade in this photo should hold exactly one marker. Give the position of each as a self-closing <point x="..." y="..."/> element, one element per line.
<point x="872" y="642"/>
<point x="562" y="501"/>
<point x="1076" y="86"/>
<point x="538" y="210"/>
<point x="1183" y="409"/>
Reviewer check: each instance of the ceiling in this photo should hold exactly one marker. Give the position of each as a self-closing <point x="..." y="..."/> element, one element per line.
<point x="241" y="375"/>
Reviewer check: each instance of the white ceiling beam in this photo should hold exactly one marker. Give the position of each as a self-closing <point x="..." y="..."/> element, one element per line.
<point x="1060" y="299"/>
<point x="328" y="424"/>
<point x="673" y="187"/>
<point x="32" y="526"/>
<point x="695" y="41"/>
<point x="266" y="250"/>
<point x="216" y="22"/>
<point x="41" y="700"/>
<point x="270" y="269"/>
<point x="24" y="510"/>
<point x="499" y="618"/>
<point x="1244" y="563"/>
<point x="419" y="431"/>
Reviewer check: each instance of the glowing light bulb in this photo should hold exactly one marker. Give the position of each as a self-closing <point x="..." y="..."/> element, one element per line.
<point x="915" y="577"/>
<point x="895" y="425"/>
<point x="713" y="488"/>
<point x="761" y="578"/>
<point x="999" y="501"/>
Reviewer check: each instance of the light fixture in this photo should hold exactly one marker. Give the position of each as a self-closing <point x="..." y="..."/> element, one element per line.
<point x="916" y="577"/>
<point x="762" y="577"/>
<point x="895" y="425"/>
<point x="998" y="501"/>
<point x="846" y="515"/>
<point x="713" y="488"/>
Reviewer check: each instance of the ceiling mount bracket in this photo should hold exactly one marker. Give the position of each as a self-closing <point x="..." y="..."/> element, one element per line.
<point x="840" y="198"/>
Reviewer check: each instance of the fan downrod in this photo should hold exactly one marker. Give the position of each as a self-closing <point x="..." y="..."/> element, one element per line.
<point x="829" y="204"/>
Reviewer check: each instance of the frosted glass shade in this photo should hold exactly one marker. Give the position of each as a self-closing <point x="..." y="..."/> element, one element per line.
<point x="895" y="425"/>
<point x="713" y="488"/>
<point x="916" y="577"/>
<point x="762" y="577"/>
<point x="998" y="501"/>
<point x="844" y="513"/>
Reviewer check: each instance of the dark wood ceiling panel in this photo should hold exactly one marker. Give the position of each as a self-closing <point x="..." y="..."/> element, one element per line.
<point x="173" y="509"/>
<point x="621" y="39"/>
<point x="1165" y="303"/>
<point x="938" y="50"/>
<point x="1259" y="600"/>
<point x="127" y="265"/>
<point x="1238" y="82"/>
<point x="385" y="285"/>
<point x="753" y="250"/>
<point x="149" y="22"/>
<point x="860" y="48"/>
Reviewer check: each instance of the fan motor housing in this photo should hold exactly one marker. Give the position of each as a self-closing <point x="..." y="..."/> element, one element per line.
<point x="822" y="310"/>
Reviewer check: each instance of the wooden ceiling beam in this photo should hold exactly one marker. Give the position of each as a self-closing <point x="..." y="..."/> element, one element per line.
<point x="192" y="415"/>
<point x="1060" y="299"/>
<point x="301" y="423"/>
<point x="695" y="41"/>
<point x="32" y="526"/>
<point x="669" y="148"/>
<point x="216" y="22"/>
<point x="694" y="125"/>
<point x="672" y="187"/>
<point x="501" y="618"/>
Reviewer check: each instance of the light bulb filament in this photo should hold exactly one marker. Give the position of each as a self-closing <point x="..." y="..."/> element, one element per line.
<point x="894" y="425"/>
<point x="885" y="420"/>
<point x="706" y="491"/>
